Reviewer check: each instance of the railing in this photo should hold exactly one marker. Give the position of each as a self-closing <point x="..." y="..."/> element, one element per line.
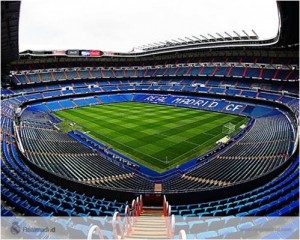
<point x="170" y="219"/>
<point x="91" y="231"/>
<point x="166" y="207"/>
<point x="182" y="235"/>
<point x="137" y="206"/>
<point x="118" y="232"/>
<point x="130" y="218"/>
<point x="141" y="205"/>
<point x="170" y="226"/>
<point x="133" y="211"/>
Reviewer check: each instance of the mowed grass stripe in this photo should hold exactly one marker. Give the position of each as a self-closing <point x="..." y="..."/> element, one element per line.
<point x="191" y="125"/>
<point x="105" y="133"/>
<point x="152" y="134"/>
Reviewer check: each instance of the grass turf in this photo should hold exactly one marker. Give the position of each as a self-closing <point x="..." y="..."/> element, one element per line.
<point x="160" y="137"/>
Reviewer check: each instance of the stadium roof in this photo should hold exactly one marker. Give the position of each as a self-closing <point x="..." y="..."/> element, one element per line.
<point x="289" y="11"/>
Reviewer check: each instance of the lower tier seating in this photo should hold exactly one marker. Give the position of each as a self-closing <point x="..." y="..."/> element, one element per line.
<point x="264" y="147"/>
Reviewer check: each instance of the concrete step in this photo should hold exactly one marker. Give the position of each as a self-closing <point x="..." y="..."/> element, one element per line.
<point x="152" y="229"/>
<point x="152" y="208"/>
<point x="150" y="222"/>
<point x="149" y="225"/>
<point x="148" y="231"/>
<point x="145" y="238"/>
<point x="150" y="219"/>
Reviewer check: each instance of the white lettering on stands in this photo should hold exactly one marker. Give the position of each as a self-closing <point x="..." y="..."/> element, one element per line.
<point x="199" y="102"/>
<point x="156" y="99"/>
<point x="162" y="99"/>
<point x="205" y="103"/>
<point x="213" y="104"/>
<point x="177" y="100"/>
<point x="193" y="102"/>
<point x="186" y="101"/>
<point x="233" y="107"/>
<point x="150" y="98"/>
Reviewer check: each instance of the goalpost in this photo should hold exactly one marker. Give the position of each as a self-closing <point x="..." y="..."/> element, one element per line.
<point x="228" y="128"/>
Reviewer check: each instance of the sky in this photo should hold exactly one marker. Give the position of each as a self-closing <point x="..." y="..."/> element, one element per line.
<point x="120" y="25"/>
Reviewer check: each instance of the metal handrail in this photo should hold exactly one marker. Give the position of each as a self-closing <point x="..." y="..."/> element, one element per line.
<point x="128" y="220"/>
<point x="182" y="235"/>
<point x="91" y="231"/>
<point x="141" y="204"/>
<point x="117" y="220"/>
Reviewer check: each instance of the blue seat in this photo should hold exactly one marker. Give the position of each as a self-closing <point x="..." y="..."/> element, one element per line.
<point x="244" y="226"/>
<point x="67" y="204"/>
<point x="181" y="226"/>
<point x="79" y="231"/>
<point x="95" y="211"/>
<point x="174" y="211"/>
<point x="6" y="212"/>
<point x="109" y="213"/>
<point x="6" y="193"/>
<point x="217" y="224"/>
<point x="229" y="209"/>
<point x="197" y="210"/>
<point x="288" y="229"/>
<point x="261" y="211"/>
<point x="224" y="231"/>
<point x="285" y="211"/>
<point x="243" y="214"/>
<point x="107" y="234"/>
<point x="246" y="207"/>
<point x="190" y="236"/>
<point x="212" y="220"/>
<point x="185" y="212"/>
<point x="81" y="208"/>
<point x="190" y="215"/>
<point x="217" y="212"/>
<point x="295" y="192"/>
<point x="207" y="235"/>
<point x="273" y="235"/>
<point x="198" y="226"/>
<point x="229" y="219"/>
<point x="294" y="205"/>
<point x="65" y="212"/>
<point x="204" y="214"/>
<point x="295" y="222"/>
<point x="274" y="205"/>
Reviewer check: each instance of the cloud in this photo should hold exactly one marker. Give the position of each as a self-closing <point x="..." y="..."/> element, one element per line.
<point x="120" y="25"/>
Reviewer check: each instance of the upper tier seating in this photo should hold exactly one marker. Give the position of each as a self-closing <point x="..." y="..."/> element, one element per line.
<point x="205" y="69"/>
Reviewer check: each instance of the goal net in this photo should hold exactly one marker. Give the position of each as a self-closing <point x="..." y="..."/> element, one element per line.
<point x="228" y="128"/>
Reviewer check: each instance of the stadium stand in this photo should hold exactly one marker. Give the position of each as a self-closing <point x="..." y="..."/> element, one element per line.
<point x="60" y="154"/>
<point x="46" y="172"/>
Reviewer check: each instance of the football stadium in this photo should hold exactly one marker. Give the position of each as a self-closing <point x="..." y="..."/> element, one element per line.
<point x="193" y="138"/>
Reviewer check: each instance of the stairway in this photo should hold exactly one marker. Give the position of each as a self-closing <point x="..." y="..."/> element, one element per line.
<point x="149" y="225"/>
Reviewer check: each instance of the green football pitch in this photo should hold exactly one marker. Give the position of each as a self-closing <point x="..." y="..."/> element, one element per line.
<point x="158" y="136"/>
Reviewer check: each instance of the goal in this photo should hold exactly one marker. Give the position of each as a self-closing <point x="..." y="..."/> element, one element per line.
<point x="228" y="128"/>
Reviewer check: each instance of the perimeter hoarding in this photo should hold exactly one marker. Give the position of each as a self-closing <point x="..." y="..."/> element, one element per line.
<point x="73" y="52"/>
<point x="91" y="53"/>
<point x="59" y="52"/>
